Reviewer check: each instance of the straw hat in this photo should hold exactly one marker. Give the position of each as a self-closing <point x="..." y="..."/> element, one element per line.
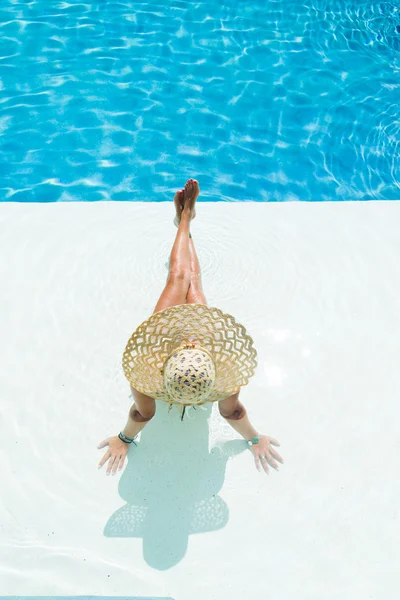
<point x="189" y="354"/>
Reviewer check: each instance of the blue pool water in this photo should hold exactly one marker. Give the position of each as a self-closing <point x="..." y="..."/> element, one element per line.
<point x="265" y="100"/>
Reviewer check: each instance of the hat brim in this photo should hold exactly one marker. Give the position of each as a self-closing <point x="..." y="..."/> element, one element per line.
<point x="228" y="342"/>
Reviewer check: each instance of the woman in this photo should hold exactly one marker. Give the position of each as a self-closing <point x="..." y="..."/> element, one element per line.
<point x="196" y="370"/>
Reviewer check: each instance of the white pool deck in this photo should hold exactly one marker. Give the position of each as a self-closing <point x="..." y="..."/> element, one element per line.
<point x="318" y="287"/>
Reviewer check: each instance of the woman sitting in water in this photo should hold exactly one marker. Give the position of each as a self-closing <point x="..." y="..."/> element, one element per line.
<point x="187" y="353"/>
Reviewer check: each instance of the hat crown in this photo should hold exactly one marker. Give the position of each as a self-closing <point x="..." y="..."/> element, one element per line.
<point x="189" y="375"/>
<point x="218" y="334"/>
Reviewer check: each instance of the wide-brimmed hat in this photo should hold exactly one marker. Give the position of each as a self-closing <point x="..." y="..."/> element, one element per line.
<point x="189" y="354"/>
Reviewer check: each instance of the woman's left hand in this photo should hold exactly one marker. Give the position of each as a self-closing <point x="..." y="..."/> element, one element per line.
<point x="264" y="453"/>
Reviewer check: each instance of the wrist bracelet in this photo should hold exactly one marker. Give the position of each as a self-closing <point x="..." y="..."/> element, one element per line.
<point x="126" y="439"/>
<point x="253" y="441"/>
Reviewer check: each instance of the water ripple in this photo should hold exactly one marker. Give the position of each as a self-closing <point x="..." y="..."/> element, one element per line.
<point x="125" y="100"/>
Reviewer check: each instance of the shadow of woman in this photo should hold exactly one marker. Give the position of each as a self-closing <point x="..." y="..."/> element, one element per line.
<point x="171" y="485"/>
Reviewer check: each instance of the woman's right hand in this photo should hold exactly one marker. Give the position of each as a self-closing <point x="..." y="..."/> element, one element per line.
<point x="117" y="450"/>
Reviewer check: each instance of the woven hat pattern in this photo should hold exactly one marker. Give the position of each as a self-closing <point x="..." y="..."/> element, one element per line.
<point x="189" y="376"/>
<point x="153" y="342"/>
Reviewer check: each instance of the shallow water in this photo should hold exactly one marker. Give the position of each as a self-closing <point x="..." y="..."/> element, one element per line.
<point x="316" y="285"/>
<point x="259" y="101"/>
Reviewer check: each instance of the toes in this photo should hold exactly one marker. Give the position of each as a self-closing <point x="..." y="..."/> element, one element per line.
<point x="191" y="188"/>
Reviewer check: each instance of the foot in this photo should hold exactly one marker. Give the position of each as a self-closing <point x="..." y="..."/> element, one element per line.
<point x="190" y="195"/>
<point x="180" y="200"/>
<point x="179" y="204"/>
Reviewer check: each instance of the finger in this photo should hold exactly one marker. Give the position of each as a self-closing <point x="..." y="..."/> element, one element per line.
<point x="103" y="443"/>
<point x="110" y="464"/>
<point x="272" y="462"/>
<point x="276" y="455"/>
<point x="116" y="463"/>
<point x="105" y="457"/>
<point x="257" y="461"/>
<point x="121" y="462"/>
<point x="273" y="441"/>
<point x="264" y="464"/>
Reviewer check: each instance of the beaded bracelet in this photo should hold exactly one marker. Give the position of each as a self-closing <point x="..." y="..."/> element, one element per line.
<point x="126" y="439"/>
<point x="253" y="441"/>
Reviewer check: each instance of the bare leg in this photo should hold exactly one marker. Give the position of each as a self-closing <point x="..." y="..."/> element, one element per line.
<point x="195" y="293"/>
<point x="179" y="276"/>
<point x="179" y="261"/>
<point x="180" y="254"/>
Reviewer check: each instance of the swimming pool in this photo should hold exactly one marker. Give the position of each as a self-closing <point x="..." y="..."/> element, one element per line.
<point x="284" y="100"/>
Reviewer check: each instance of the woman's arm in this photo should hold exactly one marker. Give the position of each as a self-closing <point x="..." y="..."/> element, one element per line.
<point x="235" y="414"/>
<point x="140" y="413"/>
